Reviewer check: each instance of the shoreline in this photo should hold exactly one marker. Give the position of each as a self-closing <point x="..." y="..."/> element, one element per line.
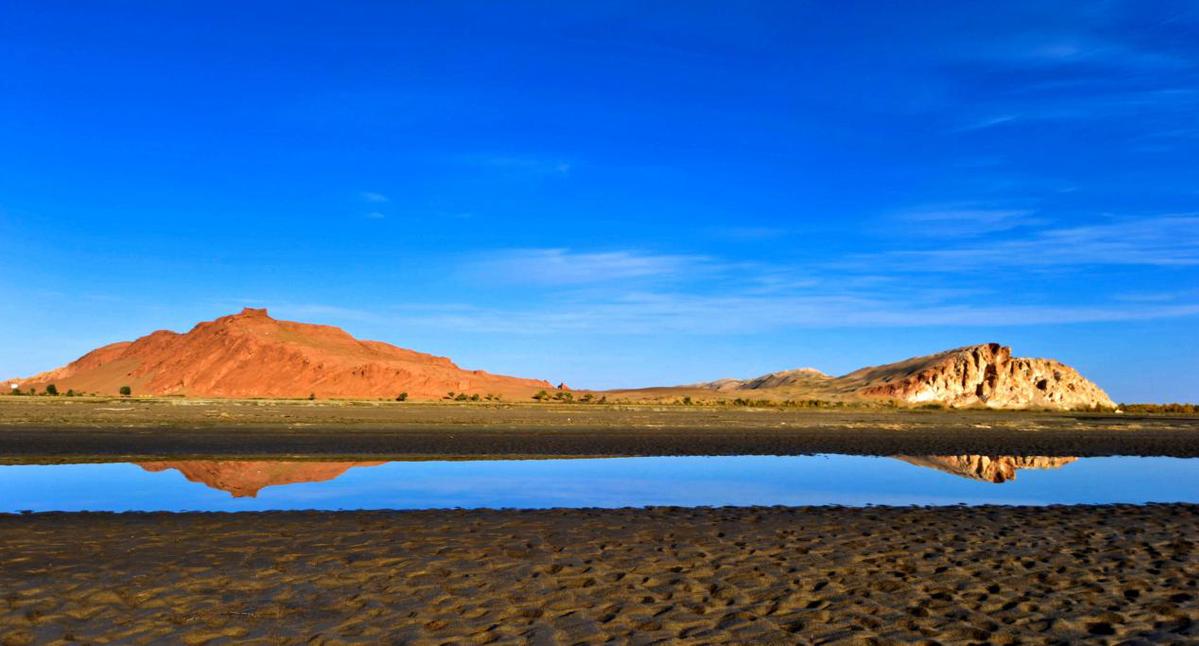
<point x="50" y="444"/>
<point x="776" y="574"/>
<point x="55" y="431"/>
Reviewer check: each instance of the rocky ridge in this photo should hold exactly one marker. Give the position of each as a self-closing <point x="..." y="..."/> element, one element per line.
<point x="981" y="375"/>
<point x="985" y="375"/>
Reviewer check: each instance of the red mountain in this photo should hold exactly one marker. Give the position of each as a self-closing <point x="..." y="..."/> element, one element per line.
<point x="253" y="355"/>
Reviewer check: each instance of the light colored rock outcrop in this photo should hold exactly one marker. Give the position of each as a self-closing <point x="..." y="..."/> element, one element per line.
<point x="978" y="375"/>
<point x="981" y="375"/>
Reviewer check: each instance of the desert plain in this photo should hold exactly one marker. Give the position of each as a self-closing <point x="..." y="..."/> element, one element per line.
<point x="44" y="428"/>
<point x="986" y="574"/>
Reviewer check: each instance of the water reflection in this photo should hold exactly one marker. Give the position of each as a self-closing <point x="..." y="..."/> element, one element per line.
<point x="255" y="485"/>
<point x="988" y="468"/>
<point x="244" y="479"/>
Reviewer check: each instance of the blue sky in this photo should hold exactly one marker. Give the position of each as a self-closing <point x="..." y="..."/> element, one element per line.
<point x="612" y="194"/>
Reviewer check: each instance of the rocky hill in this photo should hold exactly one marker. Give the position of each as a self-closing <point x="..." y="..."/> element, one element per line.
<point x="783" y="378"/>
<point x="985" y="375"/>
<point x="251" y="354"/>
<point x="980" y="375"/>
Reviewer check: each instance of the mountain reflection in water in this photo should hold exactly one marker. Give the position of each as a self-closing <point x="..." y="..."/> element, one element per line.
<point x="246" y="478"/>
<point x="988" y="468"/>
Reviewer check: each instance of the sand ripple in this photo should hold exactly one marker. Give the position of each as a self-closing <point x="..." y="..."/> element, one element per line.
<point x="731" y="575"/>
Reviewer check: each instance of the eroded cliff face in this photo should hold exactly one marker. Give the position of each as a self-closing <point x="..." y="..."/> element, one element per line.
<point x="245" y="478"/>
<point x="978" y="375"/>
<point x="988" y="468"/>
<point x="251" y="354"/>
<point x="981" y="375"/>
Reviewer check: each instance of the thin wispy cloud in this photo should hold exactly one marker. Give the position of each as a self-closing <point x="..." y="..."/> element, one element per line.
<point x="566" y="267"/>
<point x="747" y="233"/>
<point x="964" y="219"/>
<point x="664" y="313"/>
<point x="374" y="198"/>
<point x="1089" y="68"/>
<point x="1164" y="241"/>
<point x="1112" y="102"/>
<point x="1069" y="49"/>
<point x="520" y="163"/>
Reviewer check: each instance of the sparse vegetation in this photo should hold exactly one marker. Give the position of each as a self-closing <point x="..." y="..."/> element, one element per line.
<point x="402" y="397"/>
<point x="311" y="396"/>
<point x="785" y="403"/>
<point x="52" y="390"/>
<point x="461" y="397"/>
<point x="71" y="392"/>
<point x="541" y="395"/>
<point x="1174" y="409"/>
<point x="126" y="391"/>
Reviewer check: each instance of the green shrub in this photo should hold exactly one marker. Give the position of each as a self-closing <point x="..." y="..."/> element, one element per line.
<point x="541" y="395"/>
<point x="461" y="397"/>
<point x="51" y="389"/>
<point x="402" y="397"/>
<point x="127" y="391"/>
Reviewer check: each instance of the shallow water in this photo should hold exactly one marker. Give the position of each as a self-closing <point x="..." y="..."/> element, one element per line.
<point x="243" y="485"/>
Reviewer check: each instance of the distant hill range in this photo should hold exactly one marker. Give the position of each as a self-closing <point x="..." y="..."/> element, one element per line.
<point x="251" y="354"/>
<point x="984" y="375"/>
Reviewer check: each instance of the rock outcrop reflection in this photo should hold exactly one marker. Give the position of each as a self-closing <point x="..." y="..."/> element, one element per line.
<point x="245" y="478"/>
<point x="988" y="468"/>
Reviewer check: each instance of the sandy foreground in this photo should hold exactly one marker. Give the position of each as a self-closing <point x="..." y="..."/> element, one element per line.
<point x="732" y="575"/>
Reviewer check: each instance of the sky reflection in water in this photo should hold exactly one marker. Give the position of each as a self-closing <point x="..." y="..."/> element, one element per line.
<point x="611" y="482"/>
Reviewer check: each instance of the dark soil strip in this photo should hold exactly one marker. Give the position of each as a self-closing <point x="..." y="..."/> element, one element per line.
<point x="1178" y="438"/>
